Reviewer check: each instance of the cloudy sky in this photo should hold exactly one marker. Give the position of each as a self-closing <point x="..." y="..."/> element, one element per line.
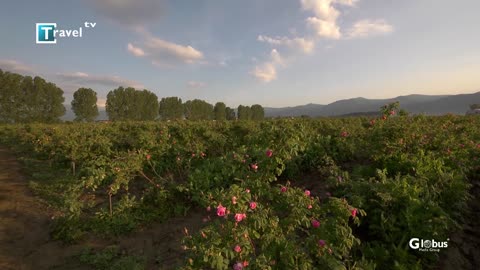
<point x="272" y="52"/>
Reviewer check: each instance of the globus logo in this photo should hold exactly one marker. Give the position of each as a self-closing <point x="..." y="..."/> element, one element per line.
<point x="427" y="245"/>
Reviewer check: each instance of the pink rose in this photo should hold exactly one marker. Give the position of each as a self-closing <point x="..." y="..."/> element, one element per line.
<point x="315" y="223"/>
<point x="238" y="266"/>
<point x="354" y="212"/>
<point x="240" y="217"/>
<point x="209" y="208"/>
<point x="221" y="210"/>
<point x="321" y="243"/>
<point x="269" y="153"/>
<point x="234" y="200"/>
<point x="307" y="192"/>
<point x="284" y="189"/>
<point x="237" y="249"/>
<point x="309" y="206"/>
<point x="254" y="166"/>
<point x="247" y="190"/>
<point x="253" y="205"/>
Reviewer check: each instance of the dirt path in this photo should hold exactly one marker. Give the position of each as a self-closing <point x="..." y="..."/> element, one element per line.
<point x="24" y="223"/>
<point x="25" y="242"/>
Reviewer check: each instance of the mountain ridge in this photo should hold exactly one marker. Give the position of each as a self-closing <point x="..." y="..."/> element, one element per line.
<point x="413" y="103"/>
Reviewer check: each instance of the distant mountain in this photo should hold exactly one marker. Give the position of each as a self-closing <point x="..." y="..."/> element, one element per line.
<point x="431" y="105"/>
<point x="309" y="109"/>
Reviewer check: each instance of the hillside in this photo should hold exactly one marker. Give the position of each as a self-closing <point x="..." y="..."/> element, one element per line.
<point x="428" y="104"/>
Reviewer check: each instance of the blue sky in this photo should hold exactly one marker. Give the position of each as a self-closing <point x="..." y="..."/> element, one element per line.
<point x="272" y="52"/>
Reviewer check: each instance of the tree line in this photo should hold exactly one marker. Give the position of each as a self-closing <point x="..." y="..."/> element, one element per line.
<point x="25" y="99"/>
<point x="130" y="104"/>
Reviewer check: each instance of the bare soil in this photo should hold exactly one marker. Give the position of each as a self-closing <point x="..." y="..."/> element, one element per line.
<point x="25" y="241"/>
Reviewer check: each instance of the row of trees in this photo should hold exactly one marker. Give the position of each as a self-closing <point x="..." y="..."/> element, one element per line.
<point x="130" y="104"/>
<point x="26" y="99"/>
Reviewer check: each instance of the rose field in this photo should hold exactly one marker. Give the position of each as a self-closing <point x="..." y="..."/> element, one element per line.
<point x="332" y="193"/>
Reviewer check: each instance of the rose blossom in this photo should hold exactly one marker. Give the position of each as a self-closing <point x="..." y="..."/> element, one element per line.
<point x="253" y="205"/>
<point x="315" y="223"/>
<point x="237" y="249"/>
<point x="321" y="242"/>
<point x="238" y="266"/>
<point x="240" y="217"/>
<point x="354" y="212"/>
<point x="221" y="210"/>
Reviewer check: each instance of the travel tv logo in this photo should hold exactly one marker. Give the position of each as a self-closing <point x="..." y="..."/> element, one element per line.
<point x="47" y="33"/>
<point x="427" y="245"/>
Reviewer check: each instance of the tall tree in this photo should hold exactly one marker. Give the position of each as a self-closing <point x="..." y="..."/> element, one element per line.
<point x="171" y="108"/>
<point x="198" y="110"/>
<point x="23" y="99"/>
<point x="146" y="106"/>
<point x="220" y="111"/>
<point x="129" y="104"/>
<point x="257" y="112"/>
<point x="84" y="104"/>
<point x="119" y="104"/>
<point x="230" y="113"/>
<point x="244" y="112"/>
<point x="10" y="97"/>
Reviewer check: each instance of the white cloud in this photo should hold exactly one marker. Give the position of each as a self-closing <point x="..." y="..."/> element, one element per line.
<point x="161" y="48"/>
<point x="15" y="66"/>
<point x="322" y="8"/>
<point x="277" y="58"/>
<point x="303" y="44"/>
<point x="135" y="50"/>
<point x="82" y="79"/>
<point x="366" y="28"/>
<point x="164" y="53"/>
<point x="324" y="28"/>
<point x="325" y="21"/>
<point x="267" y="71"/>
<point x="195" y="84"/>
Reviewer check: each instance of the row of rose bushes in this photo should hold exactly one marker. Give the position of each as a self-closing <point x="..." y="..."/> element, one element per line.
<point x="411" y="183"/>
<point x="423" y="162"/>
